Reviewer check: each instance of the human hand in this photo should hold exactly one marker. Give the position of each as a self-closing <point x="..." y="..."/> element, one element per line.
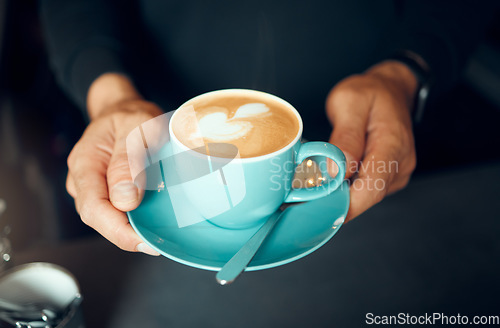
<point x="99" y="177"/>
<point x="371" y="118"/>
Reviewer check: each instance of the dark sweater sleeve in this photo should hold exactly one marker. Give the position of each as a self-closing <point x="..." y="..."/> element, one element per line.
<point x="84" y="41"/>
<point x="443" y="33"/>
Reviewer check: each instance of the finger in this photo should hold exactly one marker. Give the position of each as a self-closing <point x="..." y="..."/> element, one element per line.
<point x="135" y="146"/>
<point x="70" y="186"/>
<point x="348" y="112"/>
<point x="123" y="193"/>
<point x="128" y="159"/>
<point x="373" y="181"/>
<point x="88" y="174"/>
<point x="399" y="183"/>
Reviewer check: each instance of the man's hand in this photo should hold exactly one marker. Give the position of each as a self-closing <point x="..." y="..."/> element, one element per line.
<point x="370" y="114"/>
<point x="99" y="177"/>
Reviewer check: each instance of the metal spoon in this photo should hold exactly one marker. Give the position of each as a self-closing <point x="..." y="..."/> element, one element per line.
<point x="238" y="263"/>
<point x="308" y="174"/>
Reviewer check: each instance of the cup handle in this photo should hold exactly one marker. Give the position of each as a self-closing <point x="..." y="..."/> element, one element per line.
<point x="316" y="148"/>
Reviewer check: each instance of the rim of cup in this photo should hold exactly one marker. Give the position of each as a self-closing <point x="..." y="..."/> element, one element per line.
<point x="173" y="137"/>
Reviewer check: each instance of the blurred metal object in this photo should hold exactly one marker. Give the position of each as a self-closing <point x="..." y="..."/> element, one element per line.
<point x="3" y="206"/>
<point x="5" y="246"/>
<point x="35" y="315"/>
<point x="40" y="295"/>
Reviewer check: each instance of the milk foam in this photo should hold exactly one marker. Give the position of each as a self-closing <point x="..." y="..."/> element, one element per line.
<point x="217" y="127"/>
<point x="254" y="124"/>
<point x="249" y="110"/>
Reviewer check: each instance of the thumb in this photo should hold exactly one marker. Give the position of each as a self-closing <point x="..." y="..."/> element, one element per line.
<point x="124" y="194"/>
<point x="348" y="114"/>
<point x="130" y="152"/>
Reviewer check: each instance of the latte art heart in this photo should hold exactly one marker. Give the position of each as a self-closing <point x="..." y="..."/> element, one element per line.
<point x="256" y="125"/>
<point x="249" y="110"/>
<point x="216" y="126"/>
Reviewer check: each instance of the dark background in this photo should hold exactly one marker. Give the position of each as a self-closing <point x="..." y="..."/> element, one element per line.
<point x="39" y="126"/>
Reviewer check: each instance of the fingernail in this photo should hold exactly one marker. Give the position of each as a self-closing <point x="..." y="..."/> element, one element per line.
<point x="124" y="192"/>
<point x="144" y="248"/>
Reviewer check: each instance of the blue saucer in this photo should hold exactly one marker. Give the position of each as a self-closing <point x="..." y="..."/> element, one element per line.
<point x="301" y="230"/>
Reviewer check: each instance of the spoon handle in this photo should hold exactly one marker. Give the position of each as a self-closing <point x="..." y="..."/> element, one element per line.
<point x="238" y="263"/>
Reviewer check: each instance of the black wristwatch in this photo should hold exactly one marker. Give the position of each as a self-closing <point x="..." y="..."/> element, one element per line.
<point x="423" y="74"/>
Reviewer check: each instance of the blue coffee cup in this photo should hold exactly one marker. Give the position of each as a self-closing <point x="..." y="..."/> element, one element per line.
<point x="238" y="193"/>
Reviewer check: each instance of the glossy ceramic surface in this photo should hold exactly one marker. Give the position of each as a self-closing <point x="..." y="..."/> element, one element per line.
<point x="301" y="230"/>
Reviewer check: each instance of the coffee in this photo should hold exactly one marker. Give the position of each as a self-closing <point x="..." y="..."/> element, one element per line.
<point x="255" y="123"/>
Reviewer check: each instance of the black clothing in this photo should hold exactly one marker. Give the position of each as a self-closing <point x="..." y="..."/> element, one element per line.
<point x="298" y="50"/>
